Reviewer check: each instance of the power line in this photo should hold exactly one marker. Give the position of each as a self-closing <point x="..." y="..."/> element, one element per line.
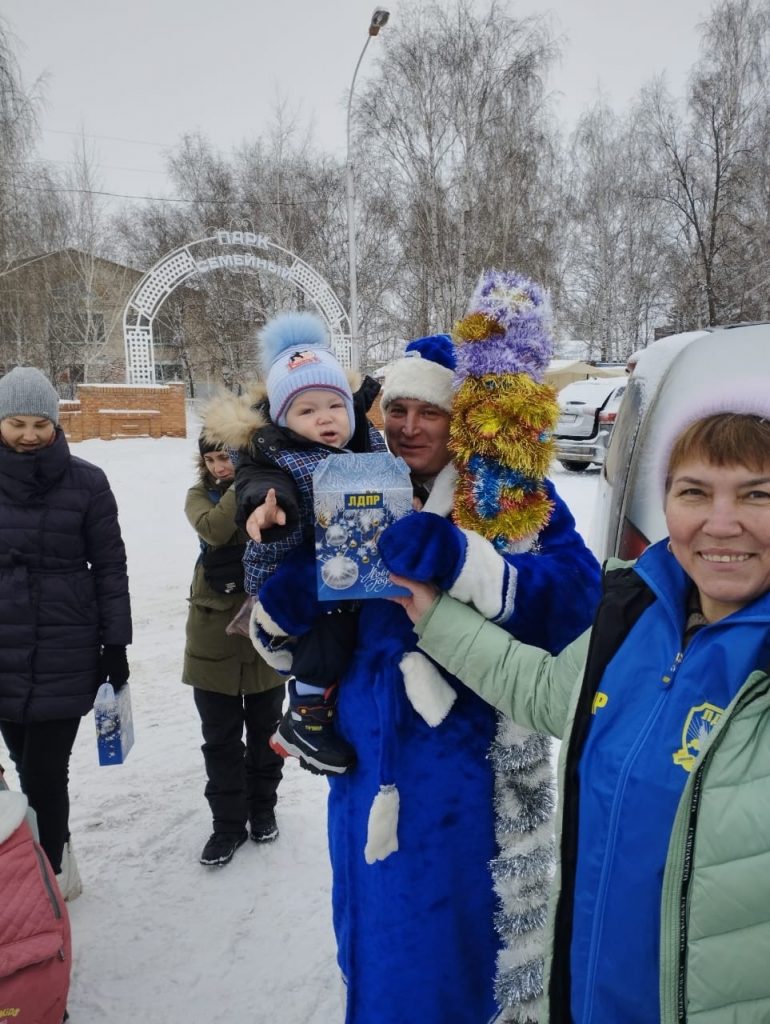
<point x="107" y="138"/>
<point x="108" y="167"/>
<point x="174" y="199"/>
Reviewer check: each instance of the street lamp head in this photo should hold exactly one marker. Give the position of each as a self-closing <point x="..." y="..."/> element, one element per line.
<point x="380" y="17"/>
<point x="379" y="20"/>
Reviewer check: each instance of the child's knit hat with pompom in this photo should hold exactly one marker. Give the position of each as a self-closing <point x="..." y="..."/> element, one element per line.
<point x="296" y="357"/>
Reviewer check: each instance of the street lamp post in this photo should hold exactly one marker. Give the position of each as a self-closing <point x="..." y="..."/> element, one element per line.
<point x="379" y="19"/>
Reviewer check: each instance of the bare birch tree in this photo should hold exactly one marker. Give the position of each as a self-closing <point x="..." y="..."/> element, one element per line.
<point x="615" y="285"/>
<point x="701" y="167"/>
<point x="18" y="136"/>
<point x="454" y="135"/>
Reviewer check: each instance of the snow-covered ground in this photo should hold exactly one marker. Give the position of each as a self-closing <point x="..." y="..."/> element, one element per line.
<point x="158" y="939"/>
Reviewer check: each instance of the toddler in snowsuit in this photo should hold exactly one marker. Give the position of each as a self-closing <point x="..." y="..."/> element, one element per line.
<point x="312" y="413"/>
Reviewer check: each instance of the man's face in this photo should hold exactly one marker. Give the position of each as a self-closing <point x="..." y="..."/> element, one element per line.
<point x="419" y="433"/>
<point x="26" y="433"/>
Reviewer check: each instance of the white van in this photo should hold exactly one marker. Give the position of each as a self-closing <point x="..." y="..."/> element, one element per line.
<point x="628" y="514"/>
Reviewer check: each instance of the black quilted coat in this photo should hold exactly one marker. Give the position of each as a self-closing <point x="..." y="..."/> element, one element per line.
<point x="63" y="582"/>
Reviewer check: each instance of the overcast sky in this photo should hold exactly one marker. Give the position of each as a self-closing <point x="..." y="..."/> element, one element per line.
<point x="136" y="74"/>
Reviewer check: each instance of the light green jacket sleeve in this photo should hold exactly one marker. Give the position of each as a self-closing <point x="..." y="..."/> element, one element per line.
<point x="525" y="683"/>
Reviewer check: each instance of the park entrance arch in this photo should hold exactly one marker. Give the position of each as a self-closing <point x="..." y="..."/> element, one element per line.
<point x="236" y="250"/>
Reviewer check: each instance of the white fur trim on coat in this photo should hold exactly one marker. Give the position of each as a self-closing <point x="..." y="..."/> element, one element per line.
<point x="429" y="693"/>
<point x="382" y="829"/>
<point x="261" y="618"/>
<point x="281" y="660"/>
<point x="486" y="580"/>
<point x="278" y="657"/>
<point x="442" y="494"/>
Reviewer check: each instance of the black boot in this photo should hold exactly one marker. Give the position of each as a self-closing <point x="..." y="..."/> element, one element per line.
<point x="306" y="731"/>
<point x="220" y="848"/>
<point x="264" y="829"/>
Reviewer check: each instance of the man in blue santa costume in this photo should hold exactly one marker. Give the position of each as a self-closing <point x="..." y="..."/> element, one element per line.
<point x="441" y="838"/>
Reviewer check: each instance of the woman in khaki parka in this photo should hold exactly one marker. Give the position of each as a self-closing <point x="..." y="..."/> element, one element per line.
<point x="233" y="687"/>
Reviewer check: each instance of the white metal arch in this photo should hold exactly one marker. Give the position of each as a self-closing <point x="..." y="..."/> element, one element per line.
<point x="178" y="266"/>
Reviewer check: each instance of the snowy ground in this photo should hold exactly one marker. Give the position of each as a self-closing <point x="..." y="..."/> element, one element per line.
<point x="159" y="939"/>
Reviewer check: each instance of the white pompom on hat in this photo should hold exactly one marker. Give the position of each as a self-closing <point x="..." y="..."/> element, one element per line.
<point x="296" y="357"/>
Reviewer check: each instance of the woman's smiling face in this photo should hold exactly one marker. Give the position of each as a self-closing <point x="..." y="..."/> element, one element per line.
<point x="719" y="528"/>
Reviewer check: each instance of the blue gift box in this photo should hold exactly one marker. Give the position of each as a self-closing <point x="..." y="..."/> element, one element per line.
<point x="114" y="724"/>
<point x="356" y="497"/>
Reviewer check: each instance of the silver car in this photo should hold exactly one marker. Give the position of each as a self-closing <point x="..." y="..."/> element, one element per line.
<point x="588" y="410"/>
<point x="628" y="514"/>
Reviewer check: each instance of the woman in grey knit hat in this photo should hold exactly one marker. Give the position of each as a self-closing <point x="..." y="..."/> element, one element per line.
<point x="65" y="617"/>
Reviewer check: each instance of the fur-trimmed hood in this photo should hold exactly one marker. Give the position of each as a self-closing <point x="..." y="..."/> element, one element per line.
<point x="231" y="420"/>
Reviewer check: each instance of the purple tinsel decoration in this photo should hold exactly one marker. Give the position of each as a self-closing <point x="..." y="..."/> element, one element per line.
<point x="526" y="346"/>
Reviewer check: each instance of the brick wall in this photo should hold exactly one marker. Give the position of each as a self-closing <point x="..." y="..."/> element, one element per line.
<point x="109" y="411"/>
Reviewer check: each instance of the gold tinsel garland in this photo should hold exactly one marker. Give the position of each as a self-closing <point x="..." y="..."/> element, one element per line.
<point x="505" y="419"/>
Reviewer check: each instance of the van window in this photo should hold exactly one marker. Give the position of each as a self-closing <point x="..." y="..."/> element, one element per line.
<point x="624" y="435"/>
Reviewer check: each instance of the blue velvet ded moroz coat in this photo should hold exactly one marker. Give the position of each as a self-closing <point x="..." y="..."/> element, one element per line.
<point x="63" y="582"/>
<point x="417" y="926"/>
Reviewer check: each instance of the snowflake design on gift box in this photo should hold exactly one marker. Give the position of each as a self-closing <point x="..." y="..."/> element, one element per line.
<point x="339" y="572"/>
<point x="349" y="543"/>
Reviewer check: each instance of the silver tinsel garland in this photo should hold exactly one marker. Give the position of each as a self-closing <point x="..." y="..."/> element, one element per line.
<point x="524" y="805"/>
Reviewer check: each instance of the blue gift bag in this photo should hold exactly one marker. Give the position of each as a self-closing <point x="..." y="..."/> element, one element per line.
<point x="114" y="724"/>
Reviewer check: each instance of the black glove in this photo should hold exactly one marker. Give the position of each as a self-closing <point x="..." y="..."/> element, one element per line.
<point x="113" y="666"/>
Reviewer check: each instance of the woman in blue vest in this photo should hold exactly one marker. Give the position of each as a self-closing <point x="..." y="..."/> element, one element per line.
<point x="661" y="909"/>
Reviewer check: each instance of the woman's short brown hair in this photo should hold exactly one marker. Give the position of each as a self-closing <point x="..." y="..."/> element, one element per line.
<point x="727" y="439"/>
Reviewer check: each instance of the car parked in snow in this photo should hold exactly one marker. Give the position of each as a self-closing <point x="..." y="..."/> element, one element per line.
<point x="628" y="514"/>
<point x="587" y="413"/>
